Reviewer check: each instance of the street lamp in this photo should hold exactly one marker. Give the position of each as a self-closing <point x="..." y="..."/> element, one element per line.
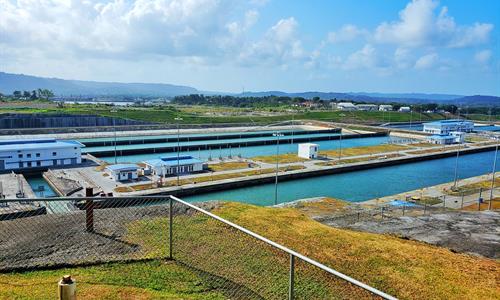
<point x="340" y="144"/>
<point x="278" y="135"/>
<point x="178" y="148"/>
<point x="114" y="129"/>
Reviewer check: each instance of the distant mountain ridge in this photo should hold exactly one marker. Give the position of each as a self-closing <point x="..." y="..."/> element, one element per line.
<point x="62" y="87"/>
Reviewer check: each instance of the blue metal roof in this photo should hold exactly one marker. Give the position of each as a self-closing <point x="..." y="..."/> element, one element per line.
<point x="171" y="161"/>
<point x="37" y="144"/>
<point x="442" y="122"/>
<point x="122" y="167"/>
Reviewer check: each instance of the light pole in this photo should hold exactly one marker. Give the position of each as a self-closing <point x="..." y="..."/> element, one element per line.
<point x="456" y="169"/>
<point x="178" y="148"/>
<point x="493" y="178"/>
<point x="114" y="129"/>
<point x="340" y="144"/>
<point x="277" y="134"/>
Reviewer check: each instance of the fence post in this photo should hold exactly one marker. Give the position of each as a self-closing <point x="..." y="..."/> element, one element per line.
<point x="404" y="206"/>
<point x="291" y="278"/>
<point x="444" y="202"/>
<point x="479" y="199"/>
<point x="170" y="222"/>
<point x="89" y="210"/>
<point x="462" y="203"/>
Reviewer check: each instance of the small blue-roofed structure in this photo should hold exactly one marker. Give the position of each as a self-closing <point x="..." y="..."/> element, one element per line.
<point x="171" y="166"/>
<point x="123" y="172"/>
<point x="28" y="154"/>
<point x="448" y="126"/>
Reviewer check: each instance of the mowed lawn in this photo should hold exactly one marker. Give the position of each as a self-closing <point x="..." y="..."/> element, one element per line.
<point x="403" y="268"/>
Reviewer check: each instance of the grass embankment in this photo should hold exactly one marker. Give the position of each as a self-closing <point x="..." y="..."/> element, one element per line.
<point x="205" y="178"/>
<point x="282" y="158"/>
<point x="227" y="258"/>
<point x="227" y="166"/>
<point x="495" y="205"/>
<point x="472" y="188"/>
<point x="437" y="149"/>
<point x="359" y="159"/>
<point x="365" y="150"/>
<point x="141" y="280"/>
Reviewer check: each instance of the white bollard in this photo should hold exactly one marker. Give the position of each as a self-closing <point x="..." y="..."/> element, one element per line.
<point x="67" y="288"/>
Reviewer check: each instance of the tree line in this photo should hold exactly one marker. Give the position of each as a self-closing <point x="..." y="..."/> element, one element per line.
<point x="37" y="94"/>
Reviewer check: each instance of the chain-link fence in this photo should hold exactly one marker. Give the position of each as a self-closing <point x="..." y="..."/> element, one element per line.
<point x="50" y="233"/>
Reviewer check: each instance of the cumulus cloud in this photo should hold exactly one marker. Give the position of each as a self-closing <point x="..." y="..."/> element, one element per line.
<point x="419" y="25"/>
<point x="427" y="61"/>
<point x="361" y="59"/>
<point x="280" y="45"/>
<point x="125" y="28"/>
<point x="346" y="33"/>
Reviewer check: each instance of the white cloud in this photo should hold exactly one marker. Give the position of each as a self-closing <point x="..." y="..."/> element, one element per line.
<point x="347" y="33"/>
<point x="364" y="58"/>
<point x="483" y="56"/>
<point x="280" y="46"/>
<point x="418" y="25"/>
<point x="427" y="61"/>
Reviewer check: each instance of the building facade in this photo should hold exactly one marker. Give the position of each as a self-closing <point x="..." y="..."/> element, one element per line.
<point x="447" y="126"/>
<point x="404" y="109"/>
<point x="38" y="154"/>
<point x="308" y="150"/>
<point x="367" y="107"/>
<point x="346" y="106"/>
<point x="123" y="172"/>
<point x="170" y="166"/>
<point x="385" y="107"/>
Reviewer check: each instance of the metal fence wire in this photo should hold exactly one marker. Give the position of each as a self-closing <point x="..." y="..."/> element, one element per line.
<point x="58" y="232"/>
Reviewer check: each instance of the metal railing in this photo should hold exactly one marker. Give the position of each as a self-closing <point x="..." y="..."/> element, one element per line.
<point x="41" y="233"/>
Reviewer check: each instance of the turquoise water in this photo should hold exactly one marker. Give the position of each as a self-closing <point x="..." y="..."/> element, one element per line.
<point x="253" y="150"/>
<point x="36" y="181"/>
<point x="201" y="143"/>
<point x="362" y="185"/>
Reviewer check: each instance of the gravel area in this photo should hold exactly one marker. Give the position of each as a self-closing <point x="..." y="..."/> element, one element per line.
<point x="61" y="239"/>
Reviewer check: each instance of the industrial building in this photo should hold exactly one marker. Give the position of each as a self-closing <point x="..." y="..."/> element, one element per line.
<point x="171" y="166"/>
<point x="385" y="107"/>
<point x="447" y="126"/>
<point x="123" y="172"/>
<point x="346" y="106"/>
<point x="404" y="109"/>
<point x="367" y="107"/>
<point x="455" y="137"/>
<point x="32" y="154"/>
<point x="308" y="150"/>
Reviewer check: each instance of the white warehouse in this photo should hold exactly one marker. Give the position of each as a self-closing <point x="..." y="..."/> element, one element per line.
<point x="447" y="126"/>
<point x="171" y="166"/>
<point x="123" y="172"/>
<point x="308" y="150"/>
<point x="38" y="154"/>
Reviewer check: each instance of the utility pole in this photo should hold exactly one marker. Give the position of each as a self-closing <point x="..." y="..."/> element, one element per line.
<point x="340" y="144"/>
<point x="277" y="134"/>
<point x="114" y="129"/>
<point x="493" y="178"/>
<point x="456" y="170"/>
<point x="178" y="148"/>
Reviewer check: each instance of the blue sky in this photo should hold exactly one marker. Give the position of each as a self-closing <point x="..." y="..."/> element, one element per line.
<point x="219" y="45"/>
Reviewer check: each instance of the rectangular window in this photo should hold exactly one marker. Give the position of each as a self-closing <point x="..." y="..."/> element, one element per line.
<point x="38" y="155"/>
<point x="38" y="163"/>
<point x="54" y="162"/>
<point x="28" y="155"/>
<point x="29" y="164"/>
<point x="54" y="153"/>
<point x="20" y="156"/>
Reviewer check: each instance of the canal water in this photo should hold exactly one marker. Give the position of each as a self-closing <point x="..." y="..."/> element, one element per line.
<point x="40" y="186"/>
<point x="252" y="151"/>
<point x="362" y="185"/>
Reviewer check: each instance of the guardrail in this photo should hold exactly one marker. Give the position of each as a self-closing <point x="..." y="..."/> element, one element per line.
<point x="232" y="258"/>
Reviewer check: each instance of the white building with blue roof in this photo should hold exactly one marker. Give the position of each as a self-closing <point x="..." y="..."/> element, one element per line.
<point x="123" y="172"/>
<point x="448" y="126"/>
<point x="31" y="154"/>
<point x="171" y="166"/>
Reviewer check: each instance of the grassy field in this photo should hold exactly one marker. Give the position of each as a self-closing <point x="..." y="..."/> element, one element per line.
<point x="365" y="150"/>
<point x="359" y="159"/>
<point x="473" y="188"/>
<point x="403" y="268"/>
<point x="282" y="158"/>
<point x="141" y="280"/>
<point x="208" y="115"/>
<point x="226" y="166"/>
